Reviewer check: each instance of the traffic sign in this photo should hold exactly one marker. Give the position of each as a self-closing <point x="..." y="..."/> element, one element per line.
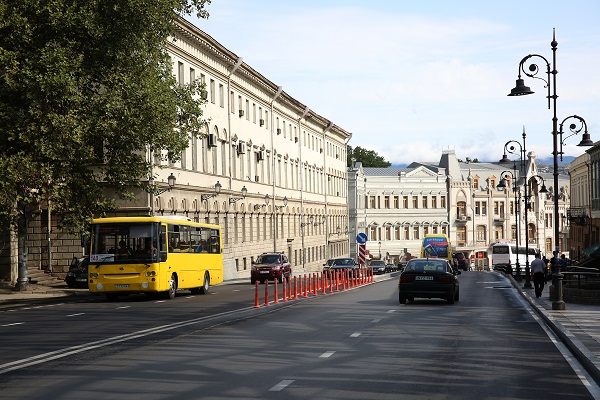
<point x="362" y="253"/>
<point x="361" y="238"/>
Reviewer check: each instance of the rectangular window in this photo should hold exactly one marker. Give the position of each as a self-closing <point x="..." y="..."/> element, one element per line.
<point x="396" y="202"/>
<point x="387" y="202"/>
<point x="180" y="74"/>
<point x="424" y="201"/>
<point x="415" y="201"/>
<point x="405" y="201"/>
<point x="434" y="202"/>
<point x="477" y="208"/>
<point x="221" y="95"/>
<point x="416" y="232"/>
<point x="212" y="91"/>
<point x="484" y="208"/>
<point x="443" y="201"/>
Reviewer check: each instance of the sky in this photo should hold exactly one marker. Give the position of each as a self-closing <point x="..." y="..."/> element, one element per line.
<point x="411" y="78"/>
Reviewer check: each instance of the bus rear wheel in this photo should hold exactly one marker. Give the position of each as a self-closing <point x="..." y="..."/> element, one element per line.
<point x="206" y="285"/>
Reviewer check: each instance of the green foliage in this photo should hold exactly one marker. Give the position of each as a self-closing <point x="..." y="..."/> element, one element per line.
<point x="81" y="79"/>
<point x="368" y="158"/>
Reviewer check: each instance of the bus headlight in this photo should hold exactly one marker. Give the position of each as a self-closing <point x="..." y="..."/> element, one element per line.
<point x="93" y="275"/>
<point x="150" y="273"/>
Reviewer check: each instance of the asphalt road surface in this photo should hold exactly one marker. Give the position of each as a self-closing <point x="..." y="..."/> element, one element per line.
<point x="356" y="344"/>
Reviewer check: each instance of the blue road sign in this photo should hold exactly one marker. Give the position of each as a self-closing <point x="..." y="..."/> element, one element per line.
<point x="361" y="238"/>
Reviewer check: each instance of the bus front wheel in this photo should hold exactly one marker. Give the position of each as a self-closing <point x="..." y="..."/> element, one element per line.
<point x="172" y="287"/>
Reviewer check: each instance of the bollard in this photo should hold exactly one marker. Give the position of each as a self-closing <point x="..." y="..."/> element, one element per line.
<point x="276" y="294"/>
<point x="295" y="288"/>
<point x="266" y="292"/>
<point x="315" y="284"/>
<point x="323" y="284"/>
<point x="256" y="304"/>
<point x="284" y="289"/>
<point x="305" y="286"/>
<point x="335" y="281"/>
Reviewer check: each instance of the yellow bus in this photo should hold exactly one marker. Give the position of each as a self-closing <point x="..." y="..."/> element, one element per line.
<point x="153" y="255"/>
<point x="436" y="246"/>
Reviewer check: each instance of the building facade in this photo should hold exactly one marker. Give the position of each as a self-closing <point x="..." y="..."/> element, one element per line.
<point x="268" y="169"/>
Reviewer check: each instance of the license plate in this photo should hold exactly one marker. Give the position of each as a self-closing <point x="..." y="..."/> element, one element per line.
<point x="81" y="280"/>
<point x="264" y="272"/>
<point x="122" y="286"/>
<point x="423" y="278"/>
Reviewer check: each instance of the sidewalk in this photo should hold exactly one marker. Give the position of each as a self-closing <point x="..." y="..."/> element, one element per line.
<point x="578" y="326"/>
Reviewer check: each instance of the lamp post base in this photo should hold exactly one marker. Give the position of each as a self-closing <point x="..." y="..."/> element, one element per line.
<point x="558" y="305"/>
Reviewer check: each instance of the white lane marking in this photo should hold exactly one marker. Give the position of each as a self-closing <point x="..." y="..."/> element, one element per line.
<point x="391" y="311"/>
<point x="327" y="354"/>
<point x="376" y="320"/>
<point x="355" y="334"/>
<point x="579" y="370"/>
<point x="13" y="324"/>
<point x="57" y="354"/>
<point x="281" y="385"/>
<point x="75" y="315"/>
<point x="123" y="307"/>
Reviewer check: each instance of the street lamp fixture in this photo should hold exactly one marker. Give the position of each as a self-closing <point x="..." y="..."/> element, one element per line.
<point x="259" y="206"/>
<point x="285" y="201"/>
<point x="216" y="193"/>
<point x="171" y="181"/>
<point x="323" y="219"/>
<point x="310" y="220"/>
<point x="244" y="193"/>
<point x="519" y="90"/>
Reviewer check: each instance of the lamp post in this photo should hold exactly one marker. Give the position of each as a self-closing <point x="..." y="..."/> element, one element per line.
<point x="171" y="182"/>
<point x="502" y="184"/>
<point x="526" y="199"/>
<point x="519" y="90"/>
<point x="510" y="147"/>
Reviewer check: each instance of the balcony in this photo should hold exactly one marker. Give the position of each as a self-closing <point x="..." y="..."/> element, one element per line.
<point x="577" y="215"/>
<point x="463" y="218"/>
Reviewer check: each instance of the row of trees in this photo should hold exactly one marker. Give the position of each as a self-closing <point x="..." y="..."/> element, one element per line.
<point x="84" y="81"/>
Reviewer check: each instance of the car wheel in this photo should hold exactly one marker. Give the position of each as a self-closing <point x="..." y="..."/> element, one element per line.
<point x="451" y="298"/>
<point x="401" y="299"/>
<point x="206" y="285"/>
<point x="172" y="287"/>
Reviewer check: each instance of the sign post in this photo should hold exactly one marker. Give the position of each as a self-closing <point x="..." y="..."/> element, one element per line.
<point x="361" y="239"/>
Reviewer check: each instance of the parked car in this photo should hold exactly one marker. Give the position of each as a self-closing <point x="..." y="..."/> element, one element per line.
<point x="270" y="266"/>
<point x="328" y="264"/>
<point x="428" y="278"/>
<point x="390" y="267"/>
<point x="344" y="263"/>
<point x="461" y="261"/>
<point x="378" y="266"/>
<point x="77" y="276"/>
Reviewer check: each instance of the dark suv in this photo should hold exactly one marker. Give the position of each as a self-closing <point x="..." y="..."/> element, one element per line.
<point x="270" y="266"/>
<point x="461" y="261"/>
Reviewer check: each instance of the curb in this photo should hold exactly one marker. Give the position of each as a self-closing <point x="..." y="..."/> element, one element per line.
<point x="588" y="359"/>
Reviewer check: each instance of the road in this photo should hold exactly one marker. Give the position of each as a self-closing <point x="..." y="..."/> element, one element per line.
<point x="356" y="344"/>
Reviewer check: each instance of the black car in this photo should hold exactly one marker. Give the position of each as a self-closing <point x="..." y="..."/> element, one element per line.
<point x="461" y="261"/>
<point x="378" y="267"/>
<point x="77" y="277"/>
<point x="428" y="278"/>
<point x="344" y="263"/>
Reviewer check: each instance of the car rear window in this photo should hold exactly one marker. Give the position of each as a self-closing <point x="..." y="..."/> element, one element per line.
<point x="426" y="266"/>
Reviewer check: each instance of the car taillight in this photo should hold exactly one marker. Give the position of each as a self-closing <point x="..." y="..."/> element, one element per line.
<point x="444" y="278"/>
<point x="406" y="278"/>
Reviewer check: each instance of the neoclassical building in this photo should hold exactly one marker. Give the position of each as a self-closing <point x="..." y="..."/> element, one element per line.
<point x="395" y="207"/>
<point x="269" y="170"/>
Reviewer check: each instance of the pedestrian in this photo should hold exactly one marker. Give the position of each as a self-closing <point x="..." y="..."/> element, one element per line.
<point x="537" y="270"/>
<point x="562" y="262"/>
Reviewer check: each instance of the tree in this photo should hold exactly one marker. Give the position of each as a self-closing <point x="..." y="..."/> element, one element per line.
<point x="86" y="90"/>
<point x="368" y="158"/>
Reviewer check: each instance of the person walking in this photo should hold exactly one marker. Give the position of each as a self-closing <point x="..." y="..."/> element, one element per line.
<point x="537" y="270"/>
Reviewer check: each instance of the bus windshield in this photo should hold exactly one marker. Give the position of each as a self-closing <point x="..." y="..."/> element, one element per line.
<point x="125" y="243"/>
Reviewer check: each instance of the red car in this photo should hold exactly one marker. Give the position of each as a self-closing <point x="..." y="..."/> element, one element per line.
<point x="270" y="266"/>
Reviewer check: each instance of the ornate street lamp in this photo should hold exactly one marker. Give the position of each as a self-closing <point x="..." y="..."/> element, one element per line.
<point x="218" y="187"/>
<point x="502" y="184"/>
<point x="171" y="182"/>
<point x="519" y="90"/>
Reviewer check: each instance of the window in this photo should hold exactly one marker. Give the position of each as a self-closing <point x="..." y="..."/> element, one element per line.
<point x="396" y="202"/>
<point x="424" y="201"/>
<point x="477" y="208"/>
<point x="416" y="232"/>
<point x="481" y="236"/>
<point x="483" y="208"/>
<point x="443" y="201"/>
<point x="221" y="95"/>
<point x="475" y="182"/>
<point x="406" y="233"/>
<point x="415" y="201"/>
<point x="212" y="91"/>
<point x="461" y="235"/>
<point x="405" y="201"/>
<point x="434" y="202"/>
<point x="513" y="232"/>
<point x="372" y="203"/>
<point x="461" y="209"/>
<point x="180" y="77"/>
<point x="386" y="201"/>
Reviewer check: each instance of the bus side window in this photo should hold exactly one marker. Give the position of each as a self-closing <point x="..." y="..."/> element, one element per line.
<point x="214" y="245"/>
